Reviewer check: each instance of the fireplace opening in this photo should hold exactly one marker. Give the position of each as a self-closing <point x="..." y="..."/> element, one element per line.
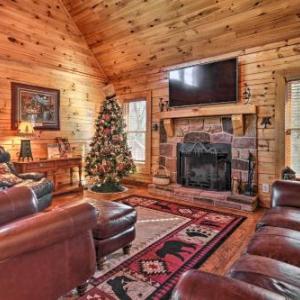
<point x="204" y="165"/>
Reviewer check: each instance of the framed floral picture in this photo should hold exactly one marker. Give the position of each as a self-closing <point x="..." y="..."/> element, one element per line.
<point x="37" y="105"/>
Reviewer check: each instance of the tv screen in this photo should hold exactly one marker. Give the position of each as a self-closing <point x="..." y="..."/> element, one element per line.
<point x="204" y="84"/>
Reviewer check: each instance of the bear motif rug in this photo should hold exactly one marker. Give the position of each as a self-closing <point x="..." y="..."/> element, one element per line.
<point x="171" y="238"/>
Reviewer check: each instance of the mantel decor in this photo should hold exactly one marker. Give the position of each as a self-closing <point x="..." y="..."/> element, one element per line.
<point x="37" y="105"/>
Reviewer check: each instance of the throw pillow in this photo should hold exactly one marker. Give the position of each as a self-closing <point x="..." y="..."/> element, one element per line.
<point x="7" y="178"/>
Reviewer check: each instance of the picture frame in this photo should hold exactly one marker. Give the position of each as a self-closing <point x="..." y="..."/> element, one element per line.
<point x="64" y="147"/>
<point x="38" y="105"/>
<point x="53" y="151"/>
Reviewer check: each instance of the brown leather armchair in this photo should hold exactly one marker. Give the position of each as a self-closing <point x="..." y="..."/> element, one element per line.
<point x="43" y="255"/>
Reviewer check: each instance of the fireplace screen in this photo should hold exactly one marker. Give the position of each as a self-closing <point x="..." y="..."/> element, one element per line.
<point x="204" y="165"/>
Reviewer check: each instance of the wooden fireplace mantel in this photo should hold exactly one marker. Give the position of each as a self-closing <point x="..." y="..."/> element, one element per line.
<point x="236" y="111"/>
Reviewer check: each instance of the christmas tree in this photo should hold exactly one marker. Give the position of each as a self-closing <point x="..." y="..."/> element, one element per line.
<point x="109" y="158"/>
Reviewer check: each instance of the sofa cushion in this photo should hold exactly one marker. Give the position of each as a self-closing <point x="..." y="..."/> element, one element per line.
<point x="279" y="243"/>
<point x="198" y="285"/>
<point x="284" y="217"/>
<point x="7" y="178"/>
<point x="271" y="274"/>
<point x="31" y="175"/>
<point x="40" y="188"/>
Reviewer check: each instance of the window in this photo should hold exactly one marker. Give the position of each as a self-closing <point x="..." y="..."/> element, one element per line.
<point x="292" y="126"/>
<point x="137" y="117"/>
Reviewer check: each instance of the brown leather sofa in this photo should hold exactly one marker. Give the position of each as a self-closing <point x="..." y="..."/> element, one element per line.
<point x="43" y="255"/>
<point x="270" y="266"/>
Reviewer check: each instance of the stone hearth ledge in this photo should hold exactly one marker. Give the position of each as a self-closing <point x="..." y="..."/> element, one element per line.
<point x="213" y="198"/>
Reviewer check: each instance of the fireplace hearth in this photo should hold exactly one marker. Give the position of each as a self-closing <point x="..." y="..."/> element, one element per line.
<point x="208" y="163"/>
<point x="204" y="165"/>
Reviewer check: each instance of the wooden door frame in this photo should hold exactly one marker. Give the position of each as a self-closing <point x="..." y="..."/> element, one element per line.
<point x="147" y="95"/>
<point x="281" y="79"/>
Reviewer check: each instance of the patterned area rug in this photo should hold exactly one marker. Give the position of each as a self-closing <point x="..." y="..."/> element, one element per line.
<point x="171" y="238"/>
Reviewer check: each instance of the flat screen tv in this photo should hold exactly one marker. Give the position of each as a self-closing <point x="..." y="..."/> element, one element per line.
<point x="210" y="83"/>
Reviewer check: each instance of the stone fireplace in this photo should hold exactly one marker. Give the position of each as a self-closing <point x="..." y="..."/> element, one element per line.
<point x="208" y="161"/>
<point x="211" y="131"/>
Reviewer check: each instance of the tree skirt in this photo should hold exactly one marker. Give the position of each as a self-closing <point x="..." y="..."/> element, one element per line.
<point x="124" y="189"/>
<point x="171" y="238"/>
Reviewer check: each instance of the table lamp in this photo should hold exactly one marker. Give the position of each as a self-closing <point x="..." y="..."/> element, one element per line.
<point x="25" y="129"/>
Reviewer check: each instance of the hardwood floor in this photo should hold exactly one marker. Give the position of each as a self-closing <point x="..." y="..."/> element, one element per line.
<point x="227" y="253"/>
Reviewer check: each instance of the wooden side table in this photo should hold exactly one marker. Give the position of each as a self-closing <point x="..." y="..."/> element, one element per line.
<point x="50" y="167"/>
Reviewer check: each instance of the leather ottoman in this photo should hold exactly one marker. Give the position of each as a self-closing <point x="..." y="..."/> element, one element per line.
<point x="115" y="228"/>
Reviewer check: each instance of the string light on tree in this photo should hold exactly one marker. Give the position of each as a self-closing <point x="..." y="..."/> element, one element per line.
<point x="109" y="158"/>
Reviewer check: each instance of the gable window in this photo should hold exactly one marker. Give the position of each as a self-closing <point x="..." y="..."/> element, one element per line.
<point x="292" y="126"/>
<point x="137" y="114"/>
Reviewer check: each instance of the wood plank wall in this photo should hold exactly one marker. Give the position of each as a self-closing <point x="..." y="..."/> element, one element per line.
<point x="41" y="45"/>
<point x="257" y="69"/>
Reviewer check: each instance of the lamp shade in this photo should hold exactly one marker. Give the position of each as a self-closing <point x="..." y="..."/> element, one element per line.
<point x="25" y="129"/>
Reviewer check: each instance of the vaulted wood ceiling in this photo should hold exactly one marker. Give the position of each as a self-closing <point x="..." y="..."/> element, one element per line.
<point x="134" y="35"/>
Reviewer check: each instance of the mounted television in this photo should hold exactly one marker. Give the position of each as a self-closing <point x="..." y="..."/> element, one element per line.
<point x="210" y="83"/>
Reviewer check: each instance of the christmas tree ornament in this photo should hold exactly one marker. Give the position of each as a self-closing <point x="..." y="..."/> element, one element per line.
<point x="107" y="131"/>
<point x="106" y="117"/>
<point x="109" y="158"/>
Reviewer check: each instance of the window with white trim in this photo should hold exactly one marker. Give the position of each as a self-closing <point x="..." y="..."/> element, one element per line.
<point x="135" y="114"/>
<point x="292" y="126"/>
<point x="136" y="111"/>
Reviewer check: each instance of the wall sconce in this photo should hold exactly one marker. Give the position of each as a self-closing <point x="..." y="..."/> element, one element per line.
<point x="155" y="127"/>
<point x="266" y="121"/>
<point x="2" y="109"/>
<point x="163" y="105"/>
<point x="247" y="95"/>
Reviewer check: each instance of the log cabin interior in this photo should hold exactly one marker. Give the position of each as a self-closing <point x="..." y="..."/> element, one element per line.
<point x="149" y="149"/>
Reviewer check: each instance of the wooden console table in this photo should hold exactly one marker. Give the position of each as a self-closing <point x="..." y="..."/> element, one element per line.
<point x="50" y="167"/>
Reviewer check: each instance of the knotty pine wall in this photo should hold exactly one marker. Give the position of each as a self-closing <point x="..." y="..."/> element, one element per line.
<point x="40" y="45"/>
<point x="257" y="67"/>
